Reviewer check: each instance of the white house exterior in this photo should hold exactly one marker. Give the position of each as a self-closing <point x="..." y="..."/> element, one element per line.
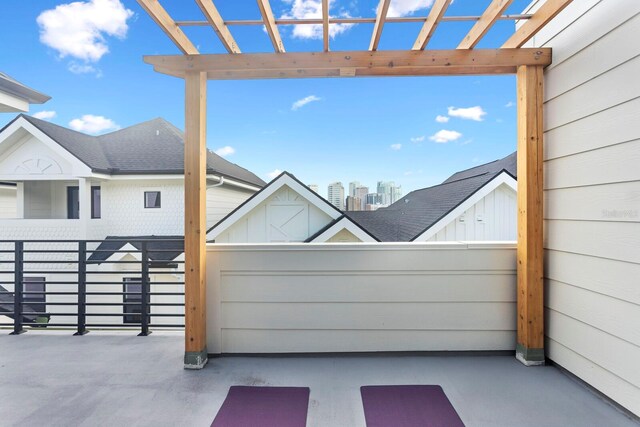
<point x="122" y="187"/>
<point x="66" y="189"/>
<point x="16" y="97"/>
<point x="592" y="194"/>
<point x="286" y="210"/>
<point x="477" y="204"/>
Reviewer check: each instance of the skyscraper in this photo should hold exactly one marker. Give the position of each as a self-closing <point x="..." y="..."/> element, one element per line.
<point x="388" y="192"/>
<point x="335" y="195"/>
<point x="361" y="194"/>
<point x="352" y="188"/>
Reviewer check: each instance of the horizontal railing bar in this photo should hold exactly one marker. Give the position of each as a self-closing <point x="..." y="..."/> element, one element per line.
<point x="97" y="241"/>
<point x="317" y="21"/>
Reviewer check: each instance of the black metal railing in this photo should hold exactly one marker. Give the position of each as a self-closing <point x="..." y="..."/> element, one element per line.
<point x="92" y="284"/>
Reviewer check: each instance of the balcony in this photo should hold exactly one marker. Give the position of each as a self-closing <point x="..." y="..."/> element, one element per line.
<point x="120" y="379"/>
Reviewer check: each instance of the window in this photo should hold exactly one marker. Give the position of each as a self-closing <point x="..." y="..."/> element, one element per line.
<point x="96" y="206"/>
<point x="133" y="310"/>
<point x="73" y="202"/>
<point x="151" y="199"/>
<point x="34" y="297"/>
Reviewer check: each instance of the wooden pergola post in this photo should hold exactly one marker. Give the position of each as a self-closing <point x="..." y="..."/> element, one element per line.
<point x="530" y="345"/>
<point x="195" y="227"/>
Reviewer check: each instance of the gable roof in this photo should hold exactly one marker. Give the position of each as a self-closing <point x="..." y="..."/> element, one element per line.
<point x="415" y="213"/>
<point x="346" y="223"/>
<point x="161" y="249"/>
<point x="151" y="147"/>
<point x="285" y="178"/>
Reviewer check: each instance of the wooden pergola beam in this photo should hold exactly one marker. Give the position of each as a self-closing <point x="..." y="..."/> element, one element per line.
<point x="168" y="25"/>
<point x="539" y="19"/>
<point x="488" y="18"/>
<point x="435" y="16"/>
<point x="530" y="252"/>
<point x="325" y="25"/>
<point x="215" y="19"/>
<point x="381" y="16"/>
<point x="270" y="25"/>
<point x="389" y="63"/>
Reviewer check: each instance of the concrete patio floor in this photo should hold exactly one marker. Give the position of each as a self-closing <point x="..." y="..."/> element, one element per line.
<point x="118" y="379"/>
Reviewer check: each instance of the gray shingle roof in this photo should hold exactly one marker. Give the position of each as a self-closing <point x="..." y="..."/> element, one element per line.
<point x="419" y="210"/>
<point x="151" y="147"/>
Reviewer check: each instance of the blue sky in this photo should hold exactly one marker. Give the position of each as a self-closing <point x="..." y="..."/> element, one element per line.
<point x="88" y="57"/>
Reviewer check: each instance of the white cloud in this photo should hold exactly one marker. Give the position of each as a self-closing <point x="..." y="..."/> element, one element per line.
<point x="304" y="101"/>
<point x="417" y="138"/>
<point x="472" y="113"/>
<point x="93" y="124"/>
<point x="308" y="9"/>
<point x="274" y="173"/>
<point x="395" y="147"/>
<point x="225" y="151"/>
<point x="510" y="104"/>
<point x="45" y="115"/>
<point x="407" y="7"/>
<point x="79" y="29"/>
<point x="444" y="136"/>
<point x="442" y="119"/>
<point x="79" y="68"/>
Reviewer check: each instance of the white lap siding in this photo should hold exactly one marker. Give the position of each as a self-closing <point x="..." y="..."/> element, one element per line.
<point x="592" y="194"/>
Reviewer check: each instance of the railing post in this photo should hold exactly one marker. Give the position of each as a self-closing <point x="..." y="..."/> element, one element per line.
<point x="18" y="288"/>
<point x="144" y="291"/>
<point x="82" y="288"/>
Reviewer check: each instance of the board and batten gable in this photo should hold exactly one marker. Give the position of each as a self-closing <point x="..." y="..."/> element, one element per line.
<point x="492" y="218"/>
<point x="285" y="216"/>
<point x="592" y="194"/>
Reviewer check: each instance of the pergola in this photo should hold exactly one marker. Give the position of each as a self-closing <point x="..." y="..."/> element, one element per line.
<point x="510" y="58"/>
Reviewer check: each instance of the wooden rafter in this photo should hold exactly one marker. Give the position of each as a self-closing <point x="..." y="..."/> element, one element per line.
<point x="325" y="25"/>
<point x="357" y="63"/>
<point x="213" y="16"/>
<point x="381" y="16"/>
<point x="270" y="24"/>
<point x="488" y="18"/>
<point x="435" y="16"/>
<point x="168" y="25"/>
<point x="539" y="19"/>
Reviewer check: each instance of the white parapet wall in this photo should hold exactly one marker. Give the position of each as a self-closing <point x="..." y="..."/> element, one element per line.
<point x="353" y="297"/>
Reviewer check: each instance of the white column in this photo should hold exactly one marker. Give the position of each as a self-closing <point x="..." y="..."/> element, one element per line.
<point x="84" y="196"/>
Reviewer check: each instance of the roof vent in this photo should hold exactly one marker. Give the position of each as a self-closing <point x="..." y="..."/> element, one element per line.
<point x="157" y="132"/>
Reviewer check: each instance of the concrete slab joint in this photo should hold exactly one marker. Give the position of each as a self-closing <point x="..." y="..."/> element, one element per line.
<point x="530" y="356"/>
<point x="195" y="359"/>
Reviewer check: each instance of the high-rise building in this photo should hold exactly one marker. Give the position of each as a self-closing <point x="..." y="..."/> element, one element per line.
<point x="373" y="199"/>
<point x="314" y="187"/>
<point x="388" y="192"/>
<point x="352" y="188"/>
<point x="361" y="194"/>
<point x="335" y="195"/>
<point x="354" y="204"/>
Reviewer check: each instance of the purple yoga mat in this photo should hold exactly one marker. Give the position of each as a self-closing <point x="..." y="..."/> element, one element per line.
<point x="408" y="406"/>
<point x="264" y="407"/>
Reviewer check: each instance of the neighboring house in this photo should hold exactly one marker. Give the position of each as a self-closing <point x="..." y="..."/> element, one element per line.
<point x="70" y="185"/>
<point x="474" y="204"/>
<point x="120" y="188"/>
<point x="286" y="210"/>
<point x="16" y="97"/>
